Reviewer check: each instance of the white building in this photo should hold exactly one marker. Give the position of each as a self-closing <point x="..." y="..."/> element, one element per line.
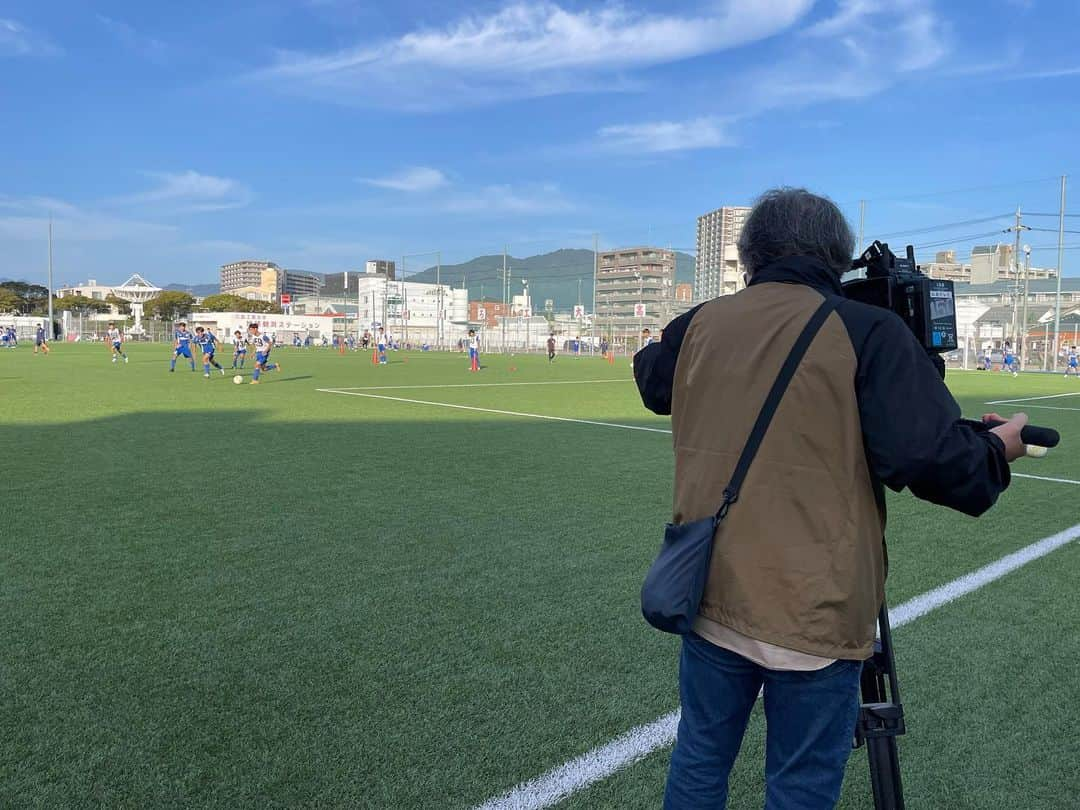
<point x="136" y="289"/>
<point x="718" y="270"/>
<point x="283" y="327"/>
<point x="410" y="311"/>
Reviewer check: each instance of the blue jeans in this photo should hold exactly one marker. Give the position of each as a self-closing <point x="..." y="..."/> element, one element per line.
<point x="810" y="719"/>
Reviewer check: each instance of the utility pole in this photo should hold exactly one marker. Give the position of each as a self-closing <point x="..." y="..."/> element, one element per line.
<point x="1016" y="229"/>
<point x="1027" y="273"/>
<point x="506" y="284"/>
<point x="51" y="334"/>
<point x="528" y="311"/>
<point x="1061" y="249"/>
<point x="595" y="273"/>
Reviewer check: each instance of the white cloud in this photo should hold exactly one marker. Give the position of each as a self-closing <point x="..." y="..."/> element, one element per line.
<point x="28" y="221"/>
<point x="191" y="192"/>
<point x="417" y="178"/>
<point x="861" y="50"/>
<point x="18" y="40"/>
<point x="527" y="49"/>
<point x="530" y="200"/>
<point x="666" y="136"/>
<point x="1058" y="73"/>
<point x="145" y="46"/>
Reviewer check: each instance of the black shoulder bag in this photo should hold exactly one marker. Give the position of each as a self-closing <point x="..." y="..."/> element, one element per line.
<point x="673" y="588"/>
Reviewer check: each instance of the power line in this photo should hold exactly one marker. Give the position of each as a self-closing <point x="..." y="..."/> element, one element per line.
<point x="945" y="226"/>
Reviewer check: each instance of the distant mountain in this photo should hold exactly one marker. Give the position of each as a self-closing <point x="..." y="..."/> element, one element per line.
<point x="198" y="290"/>
<point x="550" y="275"/>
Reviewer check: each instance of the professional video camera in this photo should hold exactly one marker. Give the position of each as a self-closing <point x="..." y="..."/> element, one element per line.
<point x="927" y="305"/>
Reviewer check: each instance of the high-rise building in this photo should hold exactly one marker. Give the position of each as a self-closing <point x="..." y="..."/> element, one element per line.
<point x="299" y="282"/>
<point x="250" y="276"/>
<point x="989" y="263"/>
<point x="635" y="288"/>
<point x="684" y="293"/>
<point x="383" y="267"/>
<point x="718" y="270"/>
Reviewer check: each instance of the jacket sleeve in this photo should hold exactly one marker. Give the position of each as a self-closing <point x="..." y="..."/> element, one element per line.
<point x="654" y="366"/>
<point x="912" y="428"/>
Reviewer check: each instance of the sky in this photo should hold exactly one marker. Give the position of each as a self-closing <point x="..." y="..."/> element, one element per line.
<point x="169" y="138"/>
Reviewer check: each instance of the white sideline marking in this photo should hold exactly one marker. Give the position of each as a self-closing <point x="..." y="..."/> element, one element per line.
<point x="477" y="385"/>
<point x="565" y="780"/>
<point x="1031" y="399"/>
<point x="357" y="393"/>
<point x="492" y="410"/>
<point x="1044" y="478"/>
<point x="1025" y="405"/>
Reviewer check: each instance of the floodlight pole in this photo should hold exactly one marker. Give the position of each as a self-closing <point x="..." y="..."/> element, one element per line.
<point x="1061" y="249"/>
<point x="51" y="333"/>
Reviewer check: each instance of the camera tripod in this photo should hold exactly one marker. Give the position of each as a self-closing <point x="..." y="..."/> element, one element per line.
<point x="881" y="719"/>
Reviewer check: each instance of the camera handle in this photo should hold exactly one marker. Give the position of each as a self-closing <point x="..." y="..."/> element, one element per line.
<point x="881" y="719"/>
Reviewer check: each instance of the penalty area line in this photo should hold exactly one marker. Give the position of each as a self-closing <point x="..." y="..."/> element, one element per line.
<point x="1031" y="399"/>
<point x="474" y="385"/>
<point x="498" y="411"/>
<point x="636" y="744"/>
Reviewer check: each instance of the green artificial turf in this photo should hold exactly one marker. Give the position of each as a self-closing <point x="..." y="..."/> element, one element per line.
<point x="214" y="595"/>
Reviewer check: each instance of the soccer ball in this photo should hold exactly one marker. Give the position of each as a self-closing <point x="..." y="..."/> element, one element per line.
<point x="238" y="379"/>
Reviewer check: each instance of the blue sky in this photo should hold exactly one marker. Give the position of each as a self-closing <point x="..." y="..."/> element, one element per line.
<point x="168" y="138"/>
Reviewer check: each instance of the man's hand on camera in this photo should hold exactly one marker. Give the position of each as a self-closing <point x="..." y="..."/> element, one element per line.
<point x="1009" y="433"/>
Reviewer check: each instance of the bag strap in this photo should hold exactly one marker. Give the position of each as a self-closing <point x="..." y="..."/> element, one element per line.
<point x="772" y="401"/>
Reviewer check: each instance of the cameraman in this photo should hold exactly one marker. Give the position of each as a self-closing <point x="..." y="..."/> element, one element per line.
<point x="798" y="567"/>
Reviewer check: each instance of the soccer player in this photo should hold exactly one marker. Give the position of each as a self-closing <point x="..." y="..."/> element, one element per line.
<point x="263" y="344"/>
<point x="40" y="340"/>
<point x="5" y="337"/>
<point x="207" y="341"/>
<point x="182" y="346"/>
<point x="1010" y="359"/>
<point x="474" y="351"/>
<point x="380" y="342"/>
<point x="1072" y="364"/>
<point x="116" y="339"/>
<point x="239" y="343"/>
<point x="551" y="348"/>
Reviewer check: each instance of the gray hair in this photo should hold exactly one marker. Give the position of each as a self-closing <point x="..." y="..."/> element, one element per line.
<point x="793" y="222"/>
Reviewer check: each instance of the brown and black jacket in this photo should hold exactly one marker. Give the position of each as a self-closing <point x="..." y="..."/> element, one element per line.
<point x="800" y="560"/>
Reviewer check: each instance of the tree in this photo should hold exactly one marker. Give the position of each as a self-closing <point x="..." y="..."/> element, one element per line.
<point x="263" y="307"/>
<point x="32" y="297"/>
<point x="227" y="302"/>
<point x="122" y="306"/>
<point x="10" y="300"/>
<point x="169" y="305"/>
<point x="81" y="304"/>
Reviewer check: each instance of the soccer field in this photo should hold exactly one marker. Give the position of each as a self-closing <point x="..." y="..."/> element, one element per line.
<point x="415" y="587"/>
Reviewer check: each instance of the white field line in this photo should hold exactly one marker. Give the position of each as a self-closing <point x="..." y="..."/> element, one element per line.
<point x="1025" y="405"/>
<point x="356" y="393"/>
<point x="1045" y="478"/>
<point x="577" y="774"/>
<point x="1032" y="399"/>
<point x="476" y="385"/>
<point x="493" y="410"/>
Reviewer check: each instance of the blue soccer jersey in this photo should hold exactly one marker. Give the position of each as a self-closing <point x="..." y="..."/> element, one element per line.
<point x="183" y="342"/>
<point x="207" y="342"/>
<point x="1072" y="360"/>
